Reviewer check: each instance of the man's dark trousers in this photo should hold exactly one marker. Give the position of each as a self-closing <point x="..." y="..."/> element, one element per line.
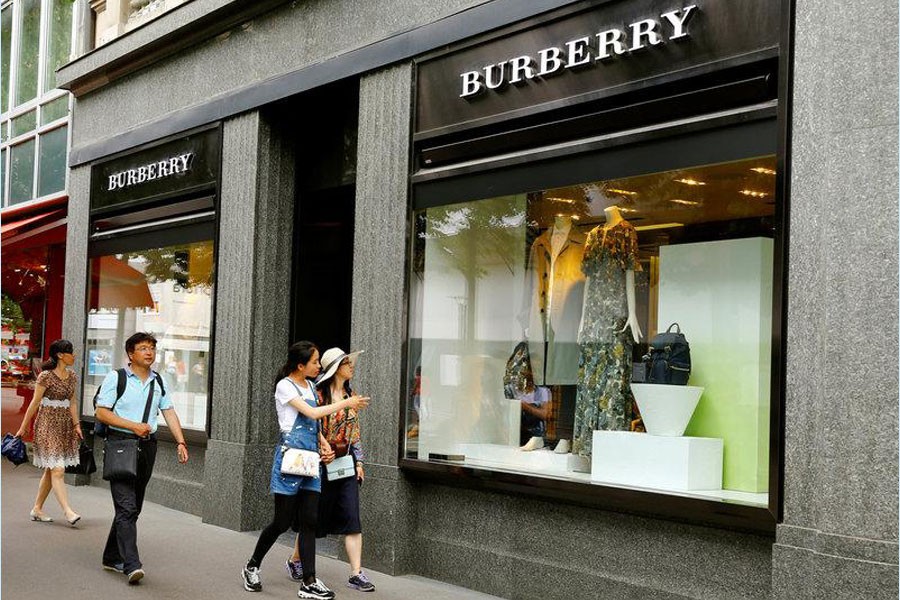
<point x="128" y="499"/>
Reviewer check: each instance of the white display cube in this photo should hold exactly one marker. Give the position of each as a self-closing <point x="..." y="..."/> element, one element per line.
<point x="649" y="461"/>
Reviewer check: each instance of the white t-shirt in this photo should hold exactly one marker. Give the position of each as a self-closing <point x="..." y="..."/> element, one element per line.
<point x="284" y="393"/>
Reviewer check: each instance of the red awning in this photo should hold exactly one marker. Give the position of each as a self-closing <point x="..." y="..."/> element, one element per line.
<point x="116" y="285"/>
<point x="41" y="229"/>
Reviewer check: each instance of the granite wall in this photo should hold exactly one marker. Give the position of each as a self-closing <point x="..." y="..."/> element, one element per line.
<point x="839" y="535"/>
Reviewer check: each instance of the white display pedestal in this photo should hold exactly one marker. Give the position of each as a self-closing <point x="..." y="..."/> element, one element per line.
<point x="536" y="461"/>
<point x="649" y="461"/>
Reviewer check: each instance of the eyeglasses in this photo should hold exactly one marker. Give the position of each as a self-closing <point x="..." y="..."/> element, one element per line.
<point x="145" y="348"/>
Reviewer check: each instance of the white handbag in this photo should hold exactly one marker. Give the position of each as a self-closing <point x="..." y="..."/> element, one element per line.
<point x="300" y="462"/>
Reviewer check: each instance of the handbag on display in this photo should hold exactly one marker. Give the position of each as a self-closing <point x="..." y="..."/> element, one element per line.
<point x="518" y="378"/>
<point x="86" y="464"/>
<point x="13" y="448"/>
<point x="304" y="463"/>
<point x="668" y="359"/>
<point x="120" y="454"/>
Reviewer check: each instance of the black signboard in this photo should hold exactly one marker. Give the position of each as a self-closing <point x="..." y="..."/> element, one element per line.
<point x="582" y="56"/>
<point x="187" y="165"/>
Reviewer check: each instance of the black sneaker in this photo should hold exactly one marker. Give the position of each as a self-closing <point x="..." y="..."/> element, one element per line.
<point x="250" y="575"/>
<point x="361" y="583"/>
<point x="315" y="591"/>
<point x="294" y="569"/>
<point x="117" y="567"/>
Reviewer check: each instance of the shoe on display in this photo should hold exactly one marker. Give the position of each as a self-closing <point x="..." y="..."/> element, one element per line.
<point x="117" y="567"/>
<point x="361" y="582"/>
<point x="252" y="582"/>
<point x="315" y="591"/>
<point x="135" y="576"/>
<point x="562" y="447"/>
<point x="294" y="569"/>
<point x="535" y="443"/>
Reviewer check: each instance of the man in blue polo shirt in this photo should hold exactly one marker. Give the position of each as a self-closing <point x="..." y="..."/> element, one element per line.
<point x="125" y="419"/>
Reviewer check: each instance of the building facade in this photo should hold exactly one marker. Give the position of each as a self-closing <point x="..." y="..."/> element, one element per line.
<point x="505" y="204"/>
<point x="36" y="38"/>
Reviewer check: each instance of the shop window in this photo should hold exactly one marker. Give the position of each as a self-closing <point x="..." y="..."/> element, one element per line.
<point x="4" y="174"/>
<point x="52" y="175"/>
<point x="522" y="356"/>
<point x="6" y="15"/>
<point x="167" y="291"/>
<point x="21" y="172"/>
<point x="24" y="298"/>
<point x="29" y="51"/>
<point x="59" y="42"/>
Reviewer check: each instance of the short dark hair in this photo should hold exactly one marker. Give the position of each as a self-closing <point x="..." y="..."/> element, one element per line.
<point x="137" y="338"/>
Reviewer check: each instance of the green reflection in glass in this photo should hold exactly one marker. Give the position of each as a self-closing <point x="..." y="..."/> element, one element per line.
<point x="52" y="175"/>
<point x="3" y="175"/>
<point x="57" y="109"/>
<point x="5" y="49"/>
<point x="60" y="40"/>
<point x="29" y="52"/>
<point x="21" y="172"/>
<point x="24" y="123"/>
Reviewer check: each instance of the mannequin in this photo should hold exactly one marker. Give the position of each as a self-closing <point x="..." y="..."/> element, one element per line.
<point x="551" y="310"/>
<point x="609" y="327"/>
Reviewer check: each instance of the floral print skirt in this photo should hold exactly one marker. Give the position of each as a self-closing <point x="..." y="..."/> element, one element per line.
<point x="55" y="441"/>
<point x="603" y="399"/>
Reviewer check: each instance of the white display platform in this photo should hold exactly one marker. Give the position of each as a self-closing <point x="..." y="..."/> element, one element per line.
<point x="649" y="461"/>
<point x="535" y="461"/>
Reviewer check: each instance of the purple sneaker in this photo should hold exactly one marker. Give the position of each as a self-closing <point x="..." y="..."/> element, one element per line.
<point x="294" y="569"/>
<point x="361" y="582"/>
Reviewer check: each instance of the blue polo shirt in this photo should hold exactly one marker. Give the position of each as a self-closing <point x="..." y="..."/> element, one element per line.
<point x="131" y="405"/>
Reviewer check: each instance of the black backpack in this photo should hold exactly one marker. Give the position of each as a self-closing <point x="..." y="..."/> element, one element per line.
<point x="668" y="359"/>
<point x="101" y="429"/>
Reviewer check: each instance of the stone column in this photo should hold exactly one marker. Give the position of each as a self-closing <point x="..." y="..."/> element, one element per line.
<point x="379" y="297"/>
<point x="253" y="291"/>
<point x="839" y="534"/>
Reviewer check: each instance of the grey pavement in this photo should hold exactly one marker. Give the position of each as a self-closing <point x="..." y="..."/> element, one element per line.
<point x="183" y="557"/>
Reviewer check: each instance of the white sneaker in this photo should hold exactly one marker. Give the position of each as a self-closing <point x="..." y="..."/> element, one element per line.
<point x="535" y="443"/>
<point x="562" y="447"/>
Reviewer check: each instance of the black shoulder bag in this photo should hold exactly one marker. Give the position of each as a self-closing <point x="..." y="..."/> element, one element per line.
<point x="120" y="455"/>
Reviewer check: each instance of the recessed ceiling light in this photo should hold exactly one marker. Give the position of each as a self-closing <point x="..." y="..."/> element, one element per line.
<point x="763" y="170"/>
<point x="753" y="193"/>
<point x="689" y="181"/>
<point x="658" y="226"/>
<point x="555" y="199"/>
<point x="623" y="192"/>
<point x="685" y="202"/>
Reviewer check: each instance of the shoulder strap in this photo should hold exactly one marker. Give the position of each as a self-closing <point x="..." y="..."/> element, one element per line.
<point x="121" y="383"/>
<point x="159" y="381"/>
<point x="149" y="402"/>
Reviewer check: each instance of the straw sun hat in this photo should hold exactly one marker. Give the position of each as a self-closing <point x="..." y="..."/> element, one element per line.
<point x="331" y="360"/>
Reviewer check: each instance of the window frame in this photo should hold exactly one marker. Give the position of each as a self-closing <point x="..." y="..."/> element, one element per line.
<point x="722" y="514"/>
<point x="203" y="226"/>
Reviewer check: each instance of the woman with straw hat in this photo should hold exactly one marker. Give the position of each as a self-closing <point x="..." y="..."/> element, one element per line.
<point x="339" y="505"/>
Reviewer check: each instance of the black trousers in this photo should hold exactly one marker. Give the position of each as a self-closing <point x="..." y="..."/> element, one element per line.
<point x="128" y="500"/>
<point x="302" y="509"/>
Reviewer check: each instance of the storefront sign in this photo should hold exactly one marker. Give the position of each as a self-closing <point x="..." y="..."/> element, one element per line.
<point x="181" y="166"/>
<point x="155" y="170"/>
<point x="580" y="52"/>
<point x="581" y="55"/>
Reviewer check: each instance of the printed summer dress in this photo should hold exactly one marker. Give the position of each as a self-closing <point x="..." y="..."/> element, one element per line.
<point x="55" y="441"/>
<point x="603" y="393"/>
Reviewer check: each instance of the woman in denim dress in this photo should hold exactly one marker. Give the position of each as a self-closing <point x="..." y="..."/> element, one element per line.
<point x="297" y="498"/>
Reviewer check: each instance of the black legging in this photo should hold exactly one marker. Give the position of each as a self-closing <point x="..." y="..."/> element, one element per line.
<point x="304" y="507"/>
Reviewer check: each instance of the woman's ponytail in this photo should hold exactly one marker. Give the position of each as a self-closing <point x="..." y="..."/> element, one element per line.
<point x="56" y="348"/>
<point x="299" y="353"/>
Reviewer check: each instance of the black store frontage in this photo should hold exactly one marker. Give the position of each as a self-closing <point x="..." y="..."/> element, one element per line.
<point x="503" y="207"/>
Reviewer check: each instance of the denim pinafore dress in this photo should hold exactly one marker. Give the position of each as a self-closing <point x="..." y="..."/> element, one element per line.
<point x="304" y="434"/>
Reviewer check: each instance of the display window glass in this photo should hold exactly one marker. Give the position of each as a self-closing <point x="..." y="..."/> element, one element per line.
<point x="538" y="325"/>
<point x="167" y="291"/>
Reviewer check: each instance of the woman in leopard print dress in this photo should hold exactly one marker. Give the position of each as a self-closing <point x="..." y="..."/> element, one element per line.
<point x="57" y="429"/>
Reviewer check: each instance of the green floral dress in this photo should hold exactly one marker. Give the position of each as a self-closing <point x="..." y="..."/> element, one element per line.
<point x="603" y="398"/>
